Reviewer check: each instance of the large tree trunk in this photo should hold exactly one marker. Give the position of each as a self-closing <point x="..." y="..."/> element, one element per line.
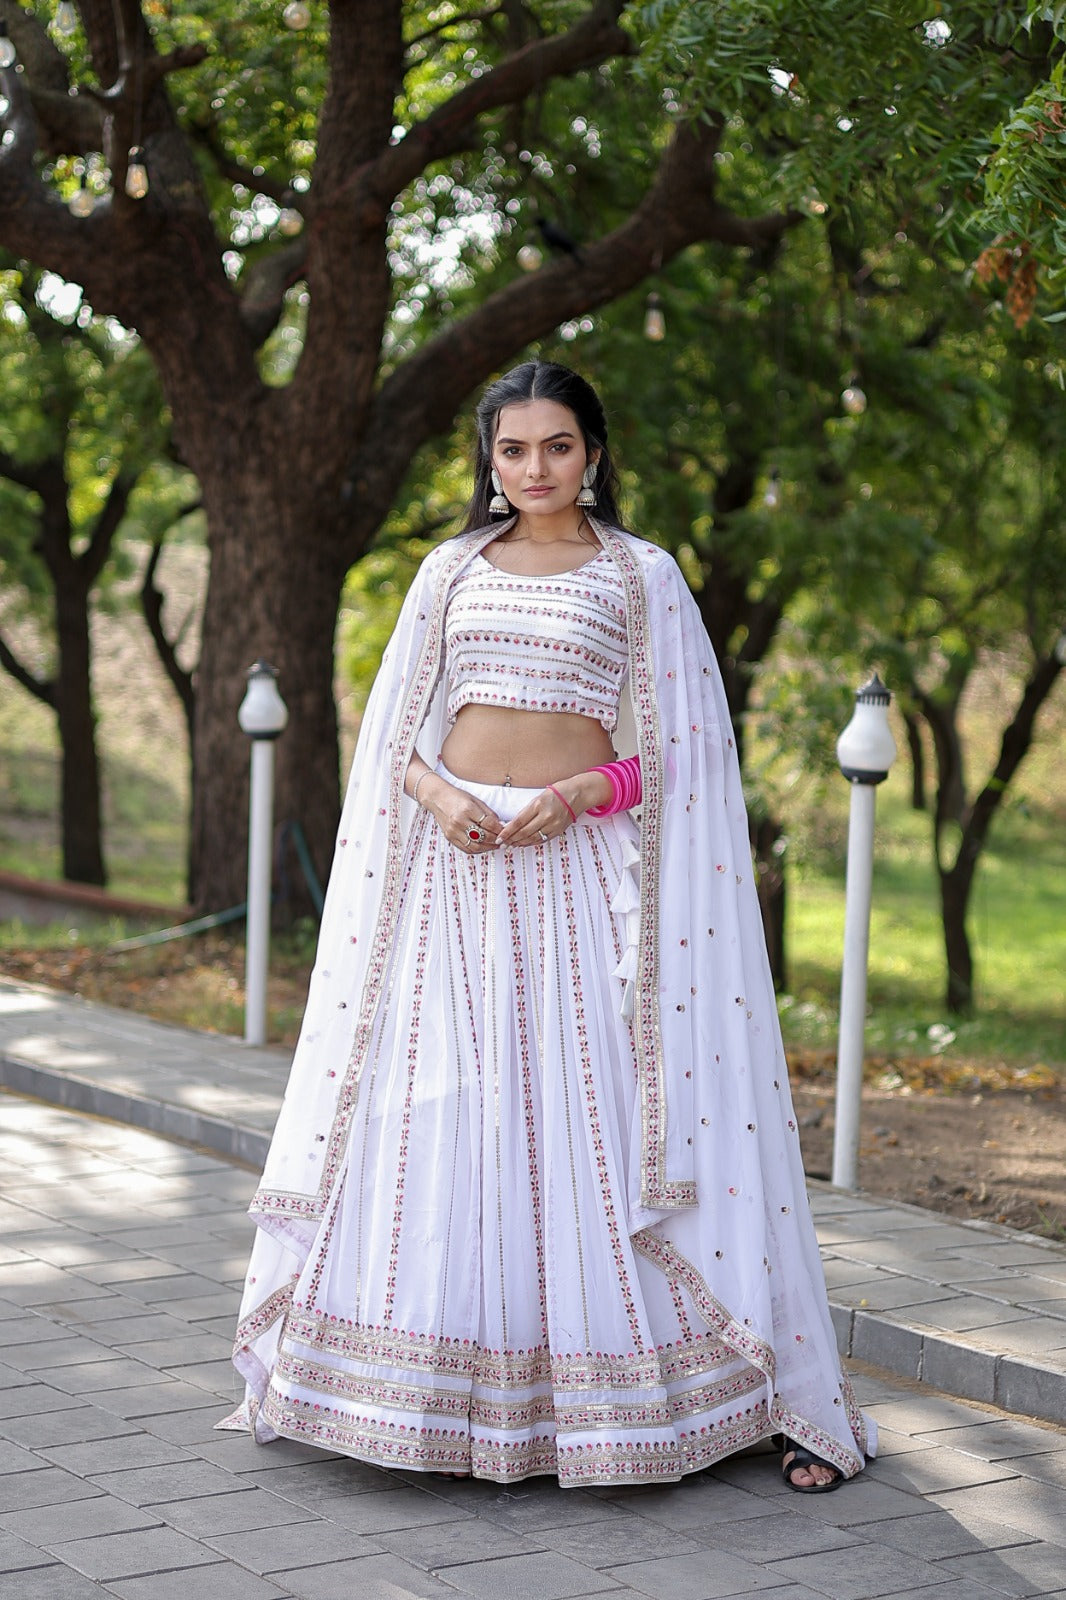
<point x="274" y="594"/>
<point x="83" y="855"/>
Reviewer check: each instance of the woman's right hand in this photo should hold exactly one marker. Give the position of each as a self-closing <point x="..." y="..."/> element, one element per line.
<point x="459" y="815"/>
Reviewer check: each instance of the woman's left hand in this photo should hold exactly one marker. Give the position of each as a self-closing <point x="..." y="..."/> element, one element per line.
<point x="553" y="811"/>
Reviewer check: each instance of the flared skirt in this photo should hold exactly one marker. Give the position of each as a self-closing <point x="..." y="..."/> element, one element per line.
<point x="478" y="1297"/>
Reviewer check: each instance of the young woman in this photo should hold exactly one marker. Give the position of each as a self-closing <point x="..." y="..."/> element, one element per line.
<point x="534" y="1203"/>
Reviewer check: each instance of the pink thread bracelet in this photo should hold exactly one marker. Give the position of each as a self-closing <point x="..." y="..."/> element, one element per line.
<point x="566" y="803"/>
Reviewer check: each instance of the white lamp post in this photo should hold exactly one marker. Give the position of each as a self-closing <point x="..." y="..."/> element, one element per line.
<point x="865" y="751"/>
<point x="262" y="716"/>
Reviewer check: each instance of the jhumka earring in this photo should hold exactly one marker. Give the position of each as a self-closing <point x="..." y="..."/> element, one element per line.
<point x="587" y="498"/>
<point x="499" y="505"/>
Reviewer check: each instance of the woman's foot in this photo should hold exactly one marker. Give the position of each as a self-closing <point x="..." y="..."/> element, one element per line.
<point x="806" y="1473"/>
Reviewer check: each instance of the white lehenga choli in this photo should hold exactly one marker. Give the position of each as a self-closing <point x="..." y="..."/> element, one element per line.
<point x="534" y="1203"/>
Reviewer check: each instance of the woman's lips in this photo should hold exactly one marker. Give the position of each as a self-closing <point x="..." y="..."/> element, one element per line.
<point x="539" y="490"/>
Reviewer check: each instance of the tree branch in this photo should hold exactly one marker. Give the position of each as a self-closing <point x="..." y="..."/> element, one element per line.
<point x="453" y="22"/>
<point x="265" y="284"/>
<point x="94" y="555"/>
<point x="228" y="167"/>
<point x="420" y="398"/>
<point x="448" y="129"/>
<point x="152" y="607"/>
<point x="41" y="689"/>
<point x="15" y="472"/>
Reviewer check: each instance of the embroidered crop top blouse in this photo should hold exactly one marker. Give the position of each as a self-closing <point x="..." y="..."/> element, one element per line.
<point x="552" y="643"/>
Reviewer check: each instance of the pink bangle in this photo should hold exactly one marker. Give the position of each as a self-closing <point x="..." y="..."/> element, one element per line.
<point x="562" y="797"/>
<point x="626" y="787"/>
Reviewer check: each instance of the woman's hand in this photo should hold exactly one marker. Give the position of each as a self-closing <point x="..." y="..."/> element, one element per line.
<point x="555" y="808"/>
<point x="463" y="820"/>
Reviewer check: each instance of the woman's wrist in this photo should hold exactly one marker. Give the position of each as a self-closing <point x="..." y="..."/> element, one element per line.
<point x="585" y="789"/>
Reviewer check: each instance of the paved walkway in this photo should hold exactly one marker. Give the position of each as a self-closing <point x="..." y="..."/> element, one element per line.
<point x="120" y="1267"/>
<point x="973" y="1309"/>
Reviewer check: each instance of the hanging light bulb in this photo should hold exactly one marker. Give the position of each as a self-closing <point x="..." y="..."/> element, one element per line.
<point x="290" y="221"/>
<point x="66" y="20"/>
<point x="772" y="497"/>
<point x="136" y="173"/>
<point x="297" y="15"/>
<point x="853" y="400"/>
<point x="654" y="321"/>
<point x="8" y="54"/>
<point x="529" y="258"/>
<point x="82" y="200"/>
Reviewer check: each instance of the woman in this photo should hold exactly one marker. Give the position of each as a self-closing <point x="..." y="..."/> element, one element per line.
<point x="534" y="1203"/>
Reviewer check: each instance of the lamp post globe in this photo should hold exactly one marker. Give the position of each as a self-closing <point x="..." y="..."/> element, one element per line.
<point x="263" y="713"/>
<point x="866" y="748"/>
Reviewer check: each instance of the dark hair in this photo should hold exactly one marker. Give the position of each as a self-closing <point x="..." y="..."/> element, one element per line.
<point x="542" y="380"/>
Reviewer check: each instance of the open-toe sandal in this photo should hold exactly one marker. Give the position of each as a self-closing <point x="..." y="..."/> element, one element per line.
<point x="796" y="1457"/>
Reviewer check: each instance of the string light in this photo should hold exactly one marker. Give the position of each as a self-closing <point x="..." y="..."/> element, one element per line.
<point x="66" y="20"/>
<point x="853" y="400"/>
<point x="297" y="15"/>
<point x="8" y="54"/>
<point x="82" y="200"/>
<point x="529" y="258"/>
<point x="772" y="497"/>
<point x="654" y="321"/>
<point x="136" y="173"/>
<point x="290" y="221"/>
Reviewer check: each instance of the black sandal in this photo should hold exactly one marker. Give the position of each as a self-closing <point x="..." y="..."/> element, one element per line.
<point x="801" y="1457"/>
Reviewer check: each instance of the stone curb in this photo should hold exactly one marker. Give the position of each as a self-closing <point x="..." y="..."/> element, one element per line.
<point x="225" y="1138"/>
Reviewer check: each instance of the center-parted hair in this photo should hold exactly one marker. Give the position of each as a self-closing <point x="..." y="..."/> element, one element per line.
<point x="542" y="380"/>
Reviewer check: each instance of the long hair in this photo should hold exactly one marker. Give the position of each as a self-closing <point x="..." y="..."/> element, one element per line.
<point x="542" y="380"/>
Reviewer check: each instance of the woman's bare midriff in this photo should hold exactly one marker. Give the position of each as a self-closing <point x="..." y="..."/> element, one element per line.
<point x="488" y="744"/>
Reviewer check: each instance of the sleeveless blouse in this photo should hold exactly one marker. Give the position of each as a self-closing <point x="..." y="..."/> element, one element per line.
<point x="551" y="643"/>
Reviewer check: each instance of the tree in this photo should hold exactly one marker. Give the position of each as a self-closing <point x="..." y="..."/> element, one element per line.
<point x="76" y="436"/>
<point x="414" y="139"/>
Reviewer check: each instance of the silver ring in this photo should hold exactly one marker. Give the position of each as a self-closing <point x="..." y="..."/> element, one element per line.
<point x="543" y="835"/>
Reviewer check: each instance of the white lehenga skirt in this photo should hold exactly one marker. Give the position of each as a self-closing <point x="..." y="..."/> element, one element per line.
<point x="473" y="1300"/>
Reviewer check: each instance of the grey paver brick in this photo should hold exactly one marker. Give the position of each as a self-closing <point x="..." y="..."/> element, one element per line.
<point x="161" y="1397"/>
<point x="44" y="1355"/>
<point x="16" y="1555"/>
<point x="1024" y="1570"/>
<point x="55" y="1583"/>
<point x="995" y="1438"/>
<point x="622" y="1538"/>
<point x="232" y="1513"/>
<point x="24" y="1327"/>
<point x="700" y="1503"/>
<point x="1023" y="1504"/>
<point x="79" y="1519"/>
<point x="129" y="1555"/>
<point x="944" y="1534"/>
<point x="47" y="1486"/>
<point x="374" y="1513"/>
<point x="181" y="1480"/>
<point x="165" y="1354"/>
<point x="928" y="1471"/>
<point x="447" y="1544"/>
<point x="30" y="1399"/>
<point x="14" y="1459"/>
<point x="92" y="1457"/>
<point x="222" y="1582"/>
<point x="695" y="1577"/>
<point x="1048" y="1468"/>
<point x="191" y="1426"/>
<point x="380" y="1577"/>
<point x="863" y="1572"/>
<point x="776" y="1536"/>
<point x="298" y="1544"/>
<point x="532" y="1577"/>
<point x="117" y="1373"/>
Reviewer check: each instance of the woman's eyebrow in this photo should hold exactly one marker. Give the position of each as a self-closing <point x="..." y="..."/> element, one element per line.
<point x="562" y="434"/>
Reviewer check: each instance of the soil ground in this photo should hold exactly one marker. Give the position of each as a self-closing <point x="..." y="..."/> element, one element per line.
<point x="986" y="1141"/>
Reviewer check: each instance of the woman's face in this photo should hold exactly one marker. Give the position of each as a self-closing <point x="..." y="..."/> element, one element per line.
<point x="540" y="455"/>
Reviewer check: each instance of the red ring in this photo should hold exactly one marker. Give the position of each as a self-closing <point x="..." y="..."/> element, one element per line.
<point x="473" y="835"/>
